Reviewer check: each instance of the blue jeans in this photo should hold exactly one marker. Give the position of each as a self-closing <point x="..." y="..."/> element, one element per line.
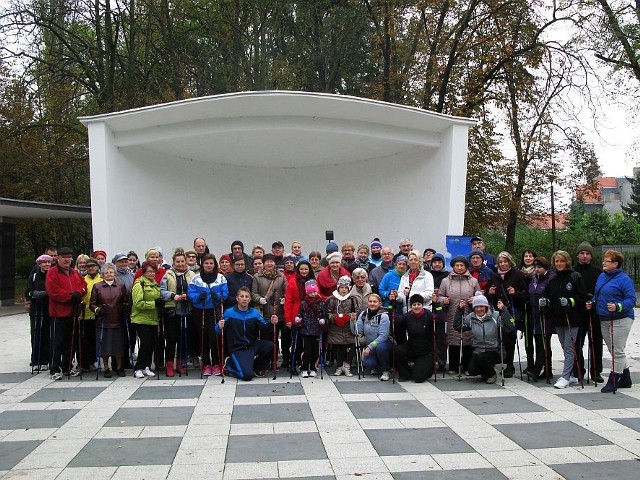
<point x="379" y="358"/>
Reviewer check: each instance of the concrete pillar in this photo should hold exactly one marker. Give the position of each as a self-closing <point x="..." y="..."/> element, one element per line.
<point x="7" y="261"/>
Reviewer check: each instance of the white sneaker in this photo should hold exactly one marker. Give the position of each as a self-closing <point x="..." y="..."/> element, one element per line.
<point x="312" y="373"/>
<point x="304" y="374"/>
<point x="338" y="372"/>
<point x="573" y="381"/>
<point x="139" y="374"/>
<point x="562" y="383"/>
<point x="384" y="377"/>
<point x="56" y="376"/>
<point x="346" y="369"/>
<point x="148" y="372"/>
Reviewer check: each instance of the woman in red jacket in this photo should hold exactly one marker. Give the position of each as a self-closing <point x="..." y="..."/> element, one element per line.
<point x="329" y="275"/>
<point x="293" y="297"/>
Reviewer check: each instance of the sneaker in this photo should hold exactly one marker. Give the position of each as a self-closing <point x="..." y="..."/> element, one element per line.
<point x="121" y="372"/>
<point x="259" y="373"/>
<point x="73" y="373"/>
<point x="491" y="379"/>
<point x="573" y="381"/>
<point x="139" y="374"/>
<point x="384" y="377"/>
<point x="304" y="374"/>
<point x="338" y="372"/>
<point x="312" y="373"/>
<point x="107" y="374"/>
<point x="148" y="372"/>
<point x="562" y="383"/>
<point x="346" y="369"/>
<point x="56" y="376"/>
<point x="216" y="370"/>
<point x="207" y="371"/>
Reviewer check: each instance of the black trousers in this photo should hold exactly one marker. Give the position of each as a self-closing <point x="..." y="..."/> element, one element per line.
<point x="422" y="364"/>
<point x="60" y="347"/>
<point x="311" y="352"/>
<point x="595" y="345"/>
<point x="87" y="336"/>
<point x="147" y="335"/>
<point x="483" y="364"/>
<point x="343" y="353"/>
<point x="454" y="357"/>
<point x="175" y="334"/>
<point x="40" y="331"/>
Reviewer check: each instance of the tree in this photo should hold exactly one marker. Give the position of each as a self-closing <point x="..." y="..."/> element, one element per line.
<point x="633" y="208"/>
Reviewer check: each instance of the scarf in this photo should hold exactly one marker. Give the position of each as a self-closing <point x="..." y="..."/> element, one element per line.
<point x="342" y="298"/>
<point x="417" y="315"/>
<point x="208" y="278"/>
<point x="502" y="273"/>
<point x="362" y="263"/>
<point x="312" y="303"/>
<point x="270" y="275"/>
<point x="109" y="282"/>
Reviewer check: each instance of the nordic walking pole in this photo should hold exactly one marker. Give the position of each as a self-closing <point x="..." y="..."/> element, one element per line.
<point x="575" y="352"/>
<point x="222" y="362"/>
<point x="126" y="324"/>
<point x="321" y="356"/>
<point x="613" y="360"/>
<point x="393" y="344"/>
<point x="513" y="316"/>
<point x="501" y="352"/>
<point x="39" y="322"/>
<point x="99" y="357"/>
<point x="275" y="339"/>
<point x="591" y="351"/>
<point x="545" y="344"/>
<point x="292" y="360"/>
<point x="202" y="344"/>
<point x="81" y="337"/>
<point x="435" y="347"/>
<point x="158" y="340"/>
<point x="357" y="347"/>
<point x="461" y="307"/>
<point x="73" y="334"/>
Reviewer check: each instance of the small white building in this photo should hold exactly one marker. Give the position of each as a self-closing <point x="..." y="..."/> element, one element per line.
<point x="275" y="165"/>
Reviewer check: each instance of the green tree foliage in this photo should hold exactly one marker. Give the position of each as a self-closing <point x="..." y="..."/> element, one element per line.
<point x="633" y="208"/>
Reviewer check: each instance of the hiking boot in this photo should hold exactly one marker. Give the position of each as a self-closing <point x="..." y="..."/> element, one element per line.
<point x="509" y="371"/>
<point x="170" y="369"/>
<point x="107" y="374"/>
<point x="597" y="377"/>
<point x="491" y="379"/>
<point x="610" y="387"/>
<point x="625" y="379"/>
<point x="121" y="372"/>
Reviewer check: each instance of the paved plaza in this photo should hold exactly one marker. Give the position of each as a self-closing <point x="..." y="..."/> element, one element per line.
<point x="331" y="428"/>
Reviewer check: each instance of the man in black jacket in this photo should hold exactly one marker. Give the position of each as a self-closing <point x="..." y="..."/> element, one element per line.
<point x="590" y="274"/>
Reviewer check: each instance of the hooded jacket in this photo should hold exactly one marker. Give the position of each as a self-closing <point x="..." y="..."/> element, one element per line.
<point x="485" y="331"/>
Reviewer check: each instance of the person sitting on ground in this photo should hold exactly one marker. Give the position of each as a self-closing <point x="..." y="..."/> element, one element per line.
<point x="417" y="327"/>
<point x="247" y="355"/>
<point x="487" y="334"/>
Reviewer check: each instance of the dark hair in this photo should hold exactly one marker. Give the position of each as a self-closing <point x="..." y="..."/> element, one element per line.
<point x="243" y="289"/>
<point x="146" y="265"/>
<point x="300" y="280"/>
<point x="315" y="254"/>
<point x="528" y="250"/>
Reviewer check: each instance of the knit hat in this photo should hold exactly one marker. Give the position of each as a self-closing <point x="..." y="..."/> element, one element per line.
<point x="119" y="256"/>
<point x="344" y="280"/>
<point x="459" y="258"/>
<point x="44" y="258"/>
<point x="376" y="243"/>
<point x="268" y="256"/>
<point x="438" y="256"/>
<point x="476" y="251"/>
<point x="416" y="298"/>
<point x="99" y="252"/>
<point x="225" y="257"/>
<point x="333" y="257"/>
<point x="311" y="286"/>
<point x="401" y="258"/>
<point x="237" y="242"/>
<point x="290" y="258"/>
<point x="191" y="252"/>
<point x="585" y="247"/>
<point x="331" y="247"/>
<point x="541" y="262"/>
<point x="479" y="300"/>
<point x="507" y="256"/>
<point x="159" y="250"/>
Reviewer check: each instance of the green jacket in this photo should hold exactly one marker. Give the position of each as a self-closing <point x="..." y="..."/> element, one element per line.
<point x="143" y="295"/>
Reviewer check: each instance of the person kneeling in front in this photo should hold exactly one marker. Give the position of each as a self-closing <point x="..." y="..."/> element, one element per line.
<point x="248" y="356"/>
<point x="487" y="328"/>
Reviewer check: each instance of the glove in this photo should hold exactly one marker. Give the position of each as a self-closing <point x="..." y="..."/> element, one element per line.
<point x="38" y="294"/>
<point x="203" y="296"/>
<point x="297" y="320"/>
<point x="76" y="298"/>
<point x="263" y="301"/>
<point x="564" y="302"/>
<point x="282" y="301"/>
<point x="101" y="310"/>
<point x="159" y="303"/>
<point x="542" y="302"/>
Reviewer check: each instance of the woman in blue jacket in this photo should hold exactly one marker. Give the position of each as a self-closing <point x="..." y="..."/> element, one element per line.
<point x="207" y="291"/>
<point x="614" y="298"/>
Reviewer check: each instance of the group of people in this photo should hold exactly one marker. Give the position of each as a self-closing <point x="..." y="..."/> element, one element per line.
<point x="401" y="313"/>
